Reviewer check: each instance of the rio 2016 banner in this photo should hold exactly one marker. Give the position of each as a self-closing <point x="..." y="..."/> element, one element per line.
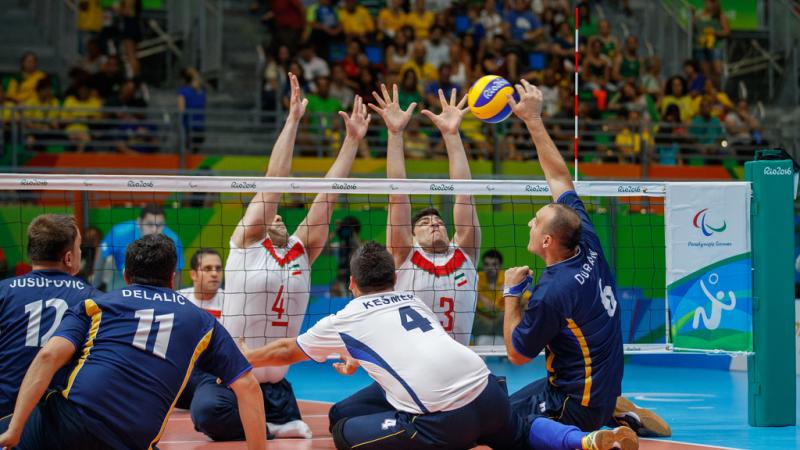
<point x="709" y="266"/>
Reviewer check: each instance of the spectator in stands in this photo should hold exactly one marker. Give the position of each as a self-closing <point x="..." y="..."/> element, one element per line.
<point x="628" y="64"/>
<point x="417" y="143"/>
<point x="524" y="27"/>
<point x="596" y="66"/>
<point x="313" y="66"/>
<point x="108" y="81"/>
<point x="695" y="80"/>
<point x="563" y="46"/>
<point x="516" y="138"/>
<point x="22" y="86"/>
<point x="40" y="118"/>
<point x="287" y="19"/>
<point x="423" y="70"/>
<point x="710" y="29"/>
<point x="321" y="108"/>
<point x="629" y="99"/>
<point x="398" y="53"/>
<point x="488" y="327"/>
<point x="111" y="260"/>
<point x="409" y="91"/>
<point x="444" y="83"/>
<point x="356" y="21"/>
<point x="90" y="242"/>
<point x="350" y="61"/>
<point x="324" y="26"/>
<point x="421" y="19"/>
<point x="491" y="20"/>
<point x="550" y="94"/>
<point x="741" y="127"/>
<point x="77" y="113"/>
<point x="130" y="12"/>
<point x="720" y="102"/>
<point x="192" y="105"/>
<point x="609" y="42"/>
<point x="437" y="49"/>
<point x="133" y="133"/>
<point x="391" y="19"/>
<point x="671" y="135"/>
<point x="632" y="138"/>
<point x="706" y="130"/>
<point x="94" y="58"/>
<point x="675" y="94"/>
<point x="652" y="81"/>
<point x="500" y="60"/>
<point x="341" y="88"/>
<point x="461" y="63"/>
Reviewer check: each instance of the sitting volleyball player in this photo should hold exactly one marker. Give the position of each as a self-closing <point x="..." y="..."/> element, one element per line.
<point x="438" y="271"/>
<point x="206" y="274"/>
<point x="430" y="392"/>
<point x="573" y="314"/>
<point x="268" y="279"/>
<point x="138" y="346"/>
<point x="32" y="305"/>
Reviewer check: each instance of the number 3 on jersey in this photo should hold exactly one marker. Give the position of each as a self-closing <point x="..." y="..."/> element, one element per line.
<point x="411" y="320"/>
<point x="449" y="304"/>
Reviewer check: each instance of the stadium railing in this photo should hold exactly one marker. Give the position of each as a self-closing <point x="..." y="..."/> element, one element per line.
<point x="235" y="132"/>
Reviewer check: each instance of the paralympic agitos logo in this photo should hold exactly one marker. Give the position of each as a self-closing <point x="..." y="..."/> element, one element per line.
<point x="702" y="221"/>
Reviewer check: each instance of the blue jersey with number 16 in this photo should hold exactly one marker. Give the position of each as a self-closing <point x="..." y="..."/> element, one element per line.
<point x="31" y="308"/>
<point x="138" y="346"/>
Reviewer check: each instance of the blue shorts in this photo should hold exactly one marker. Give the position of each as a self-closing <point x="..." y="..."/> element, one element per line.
<point x="55" y="423"/>
<point x="538" y="399"/>
<point x="707" y="54"/>
<point x="366" y="420"/>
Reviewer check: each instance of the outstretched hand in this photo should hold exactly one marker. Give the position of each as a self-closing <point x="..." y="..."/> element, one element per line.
<point x="389" y="109"/>
<point x="348" y="367"/>
<point x="449" y="119"/>
<point x="529" y="106"/>
<point x="297" y="104"/>
<point x="357" y="122"/>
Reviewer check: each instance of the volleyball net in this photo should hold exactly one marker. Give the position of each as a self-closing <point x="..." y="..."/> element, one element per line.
<point x="678" y="250"/>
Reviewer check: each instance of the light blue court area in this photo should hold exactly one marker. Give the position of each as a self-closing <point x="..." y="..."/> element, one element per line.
<point x="703" y="406"/>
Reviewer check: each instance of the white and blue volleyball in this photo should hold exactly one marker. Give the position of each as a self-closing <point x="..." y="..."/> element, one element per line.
<point x="487" y="98"/>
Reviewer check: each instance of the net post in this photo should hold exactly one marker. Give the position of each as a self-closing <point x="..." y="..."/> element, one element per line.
<point x="771" y="386"/>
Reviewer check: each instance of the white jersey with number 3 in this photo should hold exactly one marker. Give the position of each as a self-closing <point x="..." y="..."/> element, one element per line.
<point x="447" y="283"/>
<point x="266" y="296"/>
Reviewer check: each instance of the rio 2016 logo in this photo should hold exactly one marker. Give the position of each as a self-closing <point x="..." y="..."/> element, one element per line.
<point x="699" y="221"/>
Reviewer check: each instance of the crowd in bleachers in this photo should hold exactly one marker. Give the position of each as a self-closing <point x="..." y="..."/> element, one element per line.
<point x="347" y="48"/>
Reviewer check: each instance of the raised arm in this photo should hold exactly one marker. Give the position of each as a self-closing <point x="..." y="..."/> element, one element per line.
<point x="263" y="207"/>
<point x="313" y="231"/>
<point x="399" y="238"/>
<point x="251" y="410"/>
<point x="468" y="231"/>
<point x="529" y="110"/>
<point x="53" y="356"/>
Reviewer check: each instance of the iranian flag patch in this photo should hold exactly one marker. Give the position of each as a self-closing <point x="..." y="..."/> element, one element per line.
<point x="295" y="269"/>
<point x="461" y="279"/>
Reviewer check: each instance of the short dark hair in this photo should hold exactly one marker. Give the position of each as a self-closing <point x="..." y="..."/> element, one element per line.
<point x="565" y="225"/>
<point x="153" y="209"/>
<point x="194" y="263"/>
<point x="151" y="260"/>
<point x="493" y="253"/>
<point x="50" y="236"/>
<point x="425" y="212"/>
<point x="372" y="268"/>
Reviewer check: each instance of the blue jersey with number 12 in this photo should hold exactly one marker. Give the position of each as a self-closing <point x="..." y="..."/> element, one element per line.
<point x="31" y="308"/>
<point x="138" y="346"/>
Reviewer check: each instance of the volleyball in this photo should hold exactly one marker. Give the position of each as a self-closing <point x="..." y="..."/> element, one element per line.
<point x="487" y="98"/>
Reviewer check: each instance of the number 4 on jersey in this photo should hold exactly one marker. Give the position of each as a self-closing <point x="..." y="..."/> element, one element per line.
<point x="412" y="320"/>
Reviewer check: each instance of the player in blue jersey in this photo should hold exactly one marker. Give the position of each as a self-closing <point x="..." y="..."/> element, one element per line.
<point x="111" y="262"/>
<point x="137" y="347"/>
<point x="573" y="313"/>
<point x="430" y="391"/>
<point x="32" y="305"/>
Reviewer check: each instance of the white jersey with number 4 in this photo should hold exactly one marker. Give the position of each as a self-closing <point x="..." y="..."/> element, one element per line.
<point x="402" y="346"/>
<point x="266" y="296"/>
<point x="447" y="283"/>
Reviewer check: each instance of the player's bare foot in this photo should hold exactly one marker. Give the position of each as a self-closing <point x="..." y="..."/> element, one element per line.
<point x="621" y="438"/>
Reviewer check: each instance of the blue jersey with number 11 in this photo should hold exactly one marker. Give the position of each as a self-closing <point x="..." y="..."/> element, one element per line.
<point x="138" y="346"/>
<point x="31" y="308"/>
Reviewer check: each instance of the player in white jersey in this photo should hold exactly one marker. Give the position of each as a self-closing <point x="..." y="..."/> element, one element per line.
<point x="206" y="274"/>
<point x="429" y="391"/>
<point x="268" y="273"/>
<point x="439" y="271"/>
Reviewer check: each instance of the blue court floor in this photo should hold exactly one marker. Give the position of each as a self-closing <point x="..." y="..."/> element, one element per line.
<point x="703" y="406"/>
